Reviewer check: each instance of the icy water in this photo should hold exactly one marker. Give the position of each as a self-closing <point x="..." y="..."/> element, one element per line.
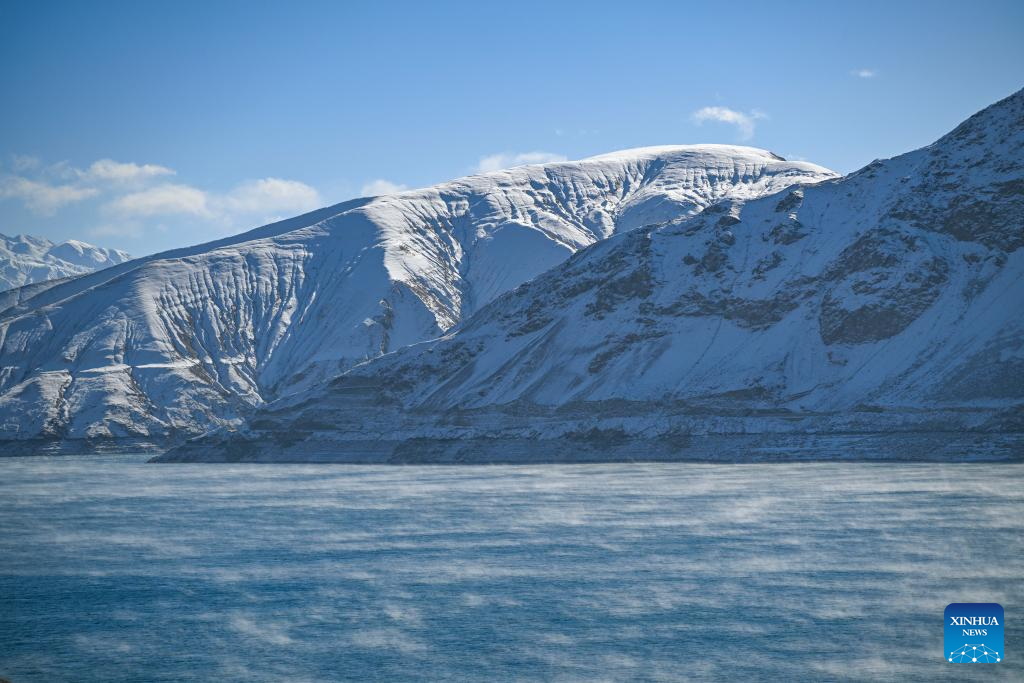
<point x="115" y="570"/>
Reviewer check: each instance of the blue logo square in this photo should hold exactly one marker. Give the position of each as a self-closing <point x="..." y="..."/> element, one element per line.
<point x="973" y="633"/>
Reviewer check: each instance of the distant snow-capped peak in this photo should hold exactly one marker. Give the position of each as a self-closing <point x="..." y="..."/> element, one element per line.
<point x="25" y="259"/>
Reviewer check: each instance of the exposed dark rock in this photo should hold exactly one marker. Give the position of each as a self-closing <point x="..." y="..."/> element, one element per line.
<point x="787" y="233"/>
<point x="874" y="304"/>
<point x="790" y="201"/>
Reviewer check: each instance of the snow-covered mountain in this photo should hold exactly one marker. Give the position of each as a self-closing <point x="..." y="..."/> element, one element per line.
<point x="183" y="341"/>
<point x="889" y="302"/>
<point x="25" y="259"/>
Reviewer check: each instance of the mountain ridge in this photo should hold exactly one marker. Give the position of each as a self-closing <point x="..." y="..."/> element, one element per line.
<point x="177" y="343"/>
<point x="887" y="302"/>
<point x="27" y="260"/>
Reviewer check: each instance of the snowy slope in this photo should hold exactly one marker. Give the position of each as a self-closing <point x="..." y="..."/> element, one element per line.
<point x="25" y="259"/>
<point x="888" y="301"/>
<point x="180" y="342"/>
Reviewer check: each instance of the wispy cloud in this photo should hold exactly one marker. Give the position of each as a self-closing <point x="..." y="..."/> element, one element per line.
<point x="110" y="171"/>
<point x="41" y="197"/>
<point x="263" y="199"/>
<point x="496" y="162"/>
<point x="269" y="197"/>
<point x="864" y="73"/>
<point x="44" y="189"/>
<point x="22" y="163"/>
<point x="129" y="200"/>
<point x="161" y="200"/>
<point x="744" y="123"/>
<point x="380" y="186"/>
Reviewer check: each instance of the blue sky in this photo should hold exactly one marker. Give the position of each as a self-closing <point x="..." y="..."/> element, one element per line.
<point x="147" y="125"/>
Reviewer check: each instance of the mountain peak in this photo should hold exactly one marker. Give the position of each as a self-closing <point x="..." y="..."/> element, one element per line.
<point x="181" y="342"/>
<point x="708" y="150"/>
<point x="27" y="259"/>
<point x="888" y="301"/>
<point x="992" y="124"/>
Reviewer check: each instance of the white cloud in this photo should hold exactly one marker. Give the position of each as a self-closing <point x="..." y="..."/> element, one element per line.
<point x="46" y="188"/>
<point x="162" y="200"/>
<point x="744" y="122"/>
<point x="864" y="73"/>
<point x="265" y="199"/>
<point x="136" y="196"/>
<point x="108" y="170"/>
<point x="496" y="162"/>
<point x="269" y="196"/>
<point x="42" y="197"/>
<point x="377" y="187"/>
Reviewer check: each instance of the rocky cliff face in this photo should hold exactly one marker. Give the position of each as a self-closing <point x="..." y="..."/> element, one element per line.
<point x="889" y="301"/>
<point x="184" y="341"/>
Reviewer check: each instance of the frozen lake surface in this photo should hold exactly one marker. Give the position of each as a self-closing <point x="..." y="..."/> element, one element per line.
<point x="115" y="570"/>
